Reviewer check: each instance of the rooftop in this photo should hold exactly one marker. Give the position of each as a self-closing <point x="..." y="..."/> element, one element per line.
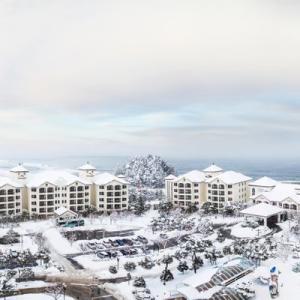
<point x="170" y="177"/>
<point x="264" y="182"/>
<point x="262" y="210"/>
<point x="87" y="167"/>
<point x="55" y="177"/>
<point x="7" y="181"/>
<point x="105" y="178"/>
<point x="19" y="168"/>
<point x="193" y="176"/>
<point x="231" y="177"/>
<point x="213" y="168"/>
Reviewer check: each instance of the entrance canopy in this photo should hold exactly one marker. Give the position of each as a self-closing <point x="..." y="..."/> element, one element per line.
<point x="262" y="210"/>
<point x="269" y="213"/>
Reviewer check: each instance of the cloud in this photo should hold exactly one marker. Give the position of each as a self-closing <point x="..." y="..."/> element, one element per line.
<point x="137" y="75"/>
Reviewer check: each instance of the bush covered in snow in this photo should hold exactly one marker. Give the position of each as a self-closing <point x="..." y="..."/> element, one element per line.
<point x="129" y="266"/>
<point x="146" y="171"/>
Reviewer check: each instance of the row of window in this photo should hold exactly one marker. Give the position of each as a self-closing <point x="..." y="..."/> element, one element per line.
<point x="186" y="185"/>
<point x="115" y="206"/>
<point x="9" y="192"/>
<point x="113" y="187"/>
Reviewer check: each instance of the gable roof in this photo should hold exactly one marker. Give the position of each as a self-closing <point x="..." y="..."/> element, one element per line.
<point x="55" y="177"/>
<point x="193" y="176"/>
<point x="264" y="182"/>
<point x="213" y="168"/>
<point x="262" y="210"/>
<point x="281" y="192"/>
<point x="170" y="177"/>
<point x="7" y="181"/>
<point x="230" y="177"/>
<point x="19" y="168"/>
<point x="62" y="210"/>
<point x="87" y="167"/>
<point x="105" y="178"/>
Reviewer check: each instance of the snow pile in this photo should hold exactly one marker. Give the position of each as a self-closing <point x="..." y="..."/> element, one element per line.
<point x="149" y="171"/>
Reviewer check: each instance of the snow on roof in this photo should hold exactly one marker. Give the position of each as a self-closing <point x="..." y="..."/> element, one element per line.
<point x="87" y="167"/>
<point x="170" y="177"/>
<point x="262" y="210"/>
<point x="213" y="168"/>
<point x="8" y="181"/>
<point x="200" y="278"/>
<point x="193" y="176"/>
<point x="19" y="168"/>
<point x="105" y="178"/>
<point x="231" y="177"/>
<point x="62" y="210"/>
<point x="55" y="177"/>
<point x="189" y="292"/>
<point x="281" y="192"/>
<point x="265" y="182"/>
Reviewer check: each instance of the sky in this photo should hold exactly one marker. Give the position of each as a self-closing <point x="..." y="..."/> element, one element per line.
<point x="181" y="79"/>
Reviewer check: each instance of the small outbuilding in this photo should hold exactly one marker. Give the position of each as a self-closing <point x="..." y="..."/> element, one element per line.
<point x="270" y="214"/>
<point x="64" y="215"/>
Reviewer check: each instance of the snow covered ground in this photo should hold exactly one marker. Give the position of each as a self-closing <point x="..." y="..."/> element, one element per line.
<point x="289" y="281"/>
<point x="35" y="297"/>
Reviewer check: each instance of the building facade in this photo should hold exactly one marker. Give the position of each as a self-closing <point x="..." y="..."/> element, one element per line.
<point x="10" y="197"/>
<point x="111" y="193"/>
<point x="44" y="192"/>
<point x="210" y="185"/>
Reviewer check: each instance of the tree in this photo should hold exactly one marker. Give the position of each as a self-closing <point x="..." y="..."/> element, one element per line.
<point x="182" y="266"/>
<point x="139" y="282"/>
<point x="129" y="266"/>
<point x="55" y="291"/>
<point x="139" y="206"/>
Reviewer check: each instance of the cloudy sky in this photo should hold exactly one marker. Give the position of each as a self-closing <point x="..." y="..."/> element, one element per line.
<point x="186" y="78"/>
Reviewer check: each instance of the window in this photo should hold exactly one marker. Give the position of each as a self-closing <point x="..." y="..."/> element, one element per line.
<point x="253" y="191"/>
<point x="230" y="186"/>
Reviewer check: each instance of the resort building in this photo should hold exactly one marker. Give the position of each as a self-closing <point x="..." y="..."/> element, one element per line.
<point x="212" y="171"/>
<point x="44" y="192"/>
<point x="188" y="189"/>
<point x="284" y="195"/>
<point x="169" y="182"/>
<point x="261" y="185"/>
<point x="10" y="197"/>
<point x="110" y="193"/>
<point x="49" y="190"/>
<point x="227" y="188"/>
<point x="212" y="184"/>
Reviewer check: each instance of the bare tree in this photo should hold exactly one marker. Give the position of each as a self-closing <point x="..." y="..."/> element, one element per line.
<point x="55" y="291"/>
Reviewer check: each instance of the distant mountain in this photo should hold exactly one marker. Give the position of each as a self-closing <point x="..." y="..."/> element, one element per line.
<point x="146" y="171"/>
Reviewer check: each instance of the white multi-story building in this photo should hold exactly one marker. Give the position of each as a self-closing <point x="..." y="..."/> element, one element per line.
<point x="188" y="189"/>
<point x="110" y="193"/>
<point x="49" y="190"/>
<point x="212" y="184"/>
<point x="284" y="195"/>
<point x="227" y="188"/>
<point x="42" y="193"/>
<point x="261" y="185"/>
<point x="10" y="197"/>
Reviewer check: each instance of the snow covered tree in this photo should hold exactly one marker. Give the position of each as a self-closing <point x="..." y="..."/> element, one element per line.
<point x="146" y="171"/>
<point x="129" y="266"/>
<point x="55" y="291"/>
<point x="182" y="266"/>
<point x="113" y="269"/>
<point x="139" y="282"/>
<point x="166" y="275"/>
